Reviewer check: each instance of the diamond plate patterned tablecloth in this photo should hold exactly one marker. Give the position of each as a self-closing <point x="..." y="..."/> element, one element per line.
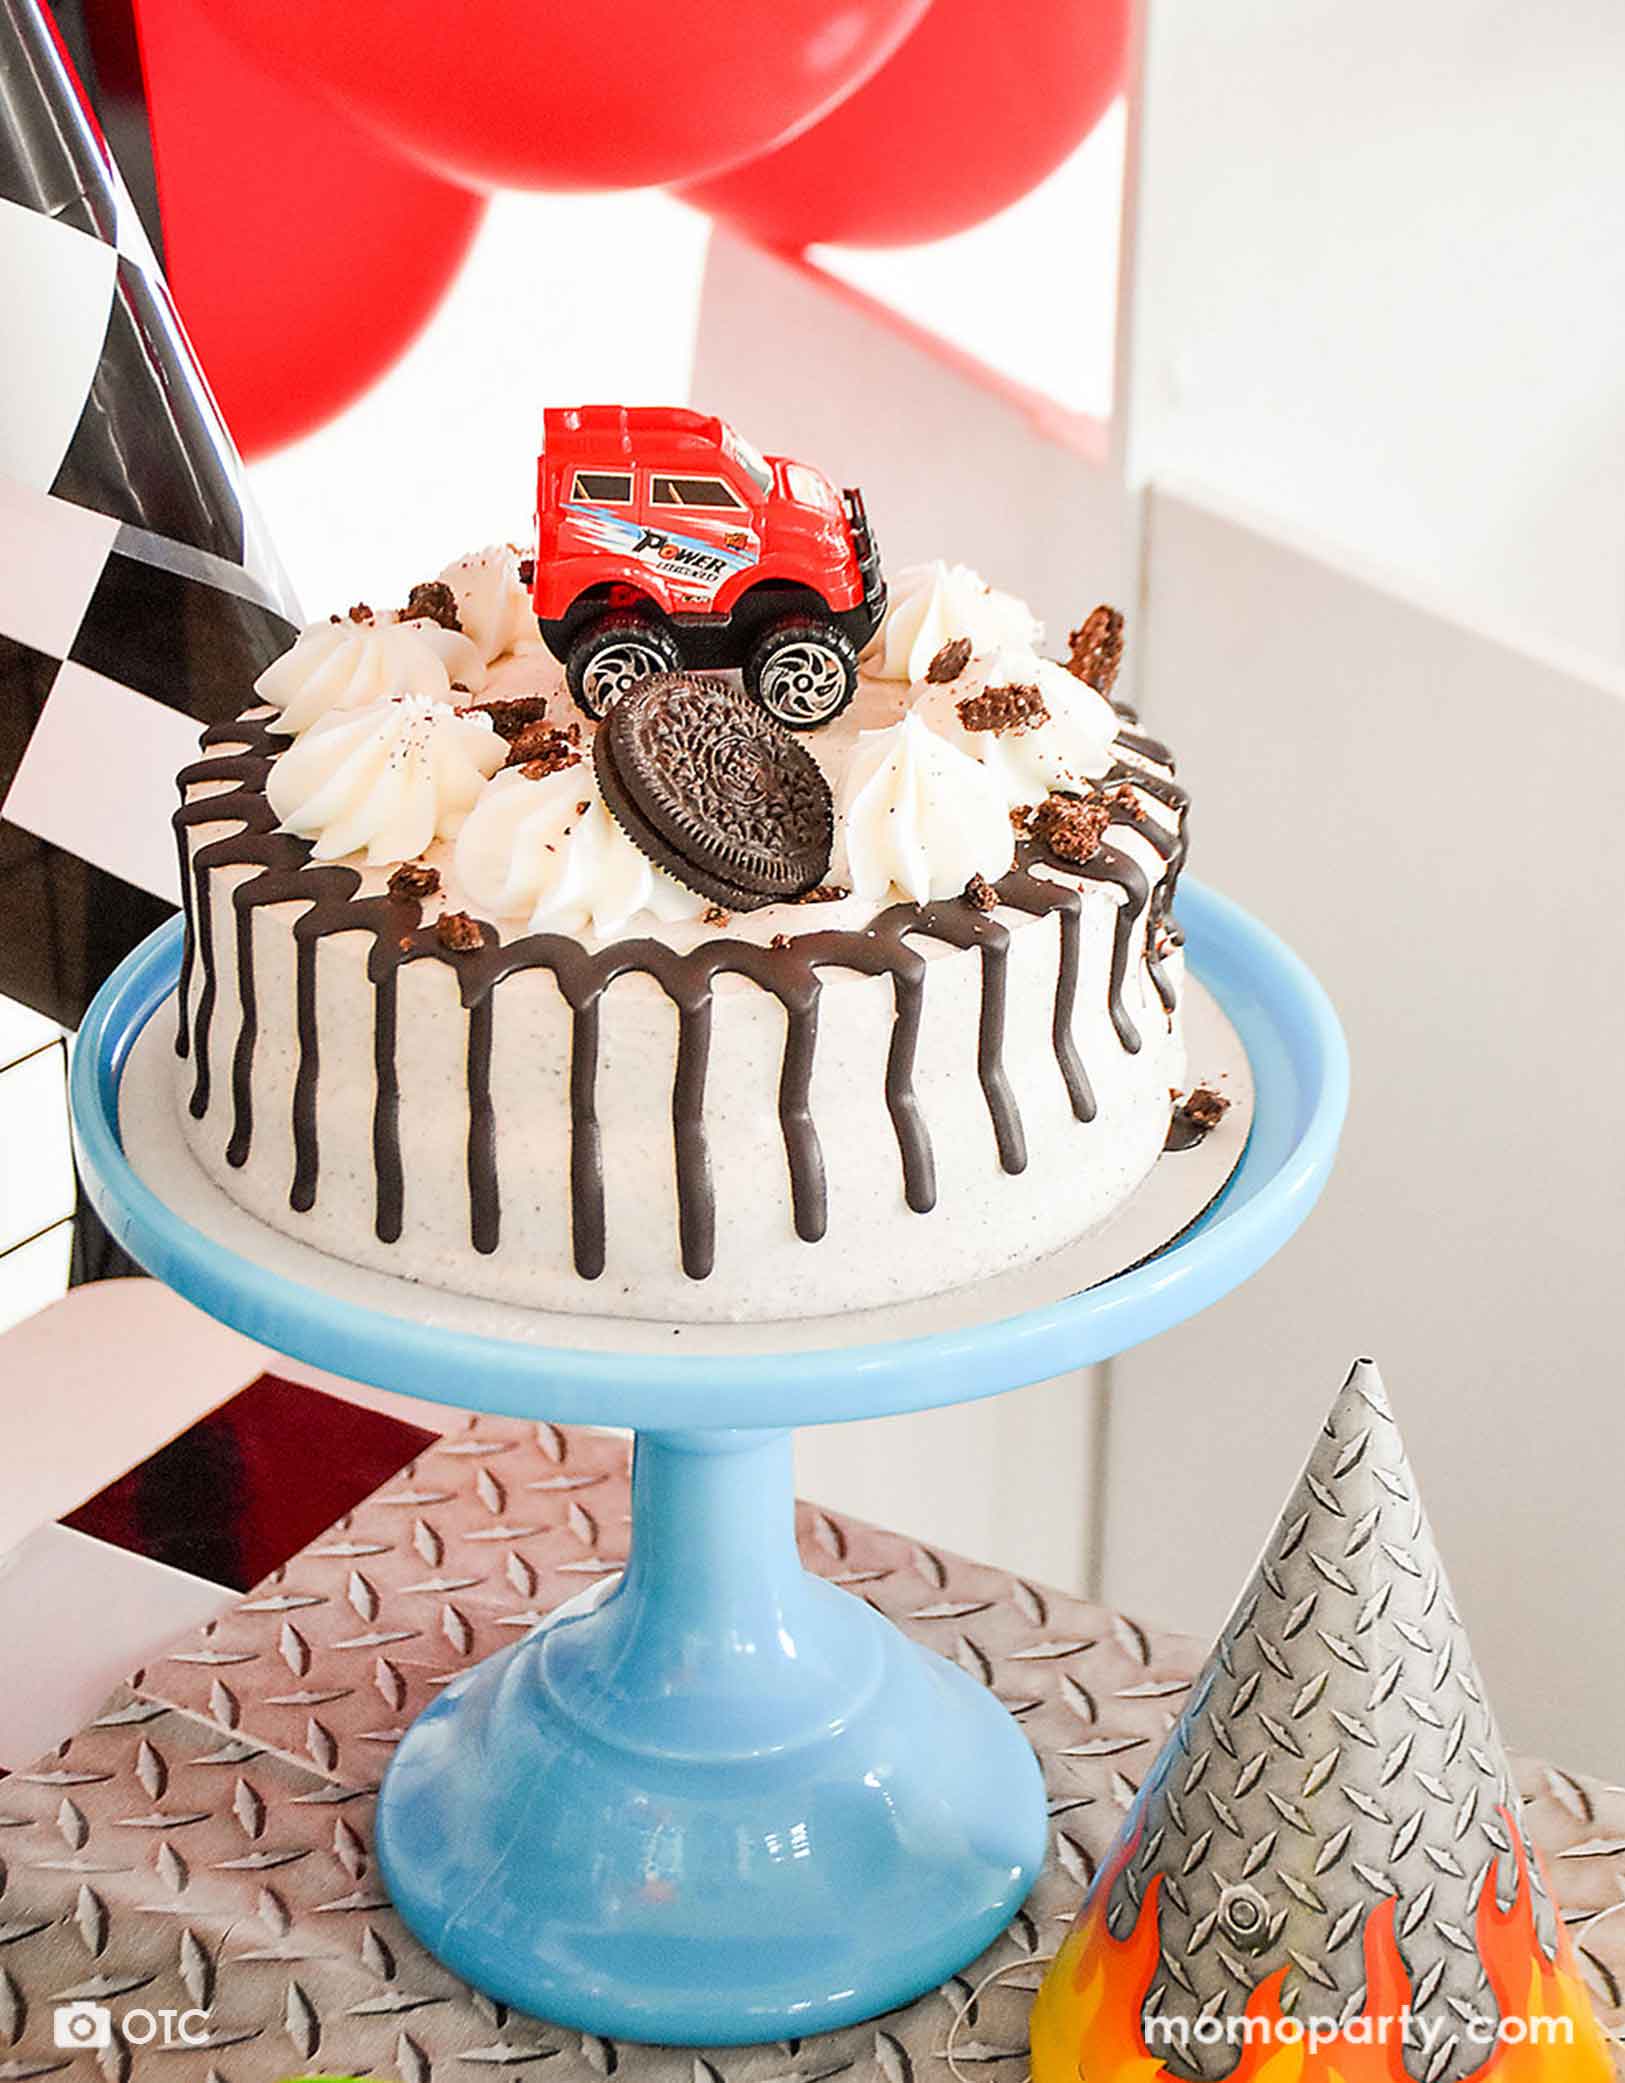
<point x="204" y="1844"/>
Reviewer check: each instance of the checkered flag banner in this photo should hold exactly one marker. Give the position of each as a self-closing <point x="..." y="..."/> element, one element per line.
<point x="138" y="593"/>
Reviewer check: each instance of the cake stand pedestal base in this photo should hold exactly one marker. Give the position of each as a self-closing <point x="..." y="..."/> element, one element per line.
<point x="713" y="1799"/>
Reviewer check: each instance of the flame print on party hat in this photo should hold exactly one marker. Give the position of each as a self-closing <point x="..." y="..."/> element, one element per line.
<point x="1325" y="1878"/>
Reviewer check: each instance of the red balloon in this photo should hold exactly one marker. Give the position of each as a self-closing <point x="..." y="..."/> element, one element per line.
<point x="972" y="111"/>
<point x="577" y="93"/>
<point x="303" y="254"/>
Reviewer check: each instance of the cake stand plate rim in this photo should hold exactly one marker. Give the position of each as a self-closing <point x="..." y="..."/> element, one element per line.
<point x="1295" y="1048"/>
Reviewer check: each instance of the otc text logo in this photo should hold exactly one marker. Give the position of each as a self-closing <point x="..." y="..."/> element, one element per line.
<point x="85" y="2025"/>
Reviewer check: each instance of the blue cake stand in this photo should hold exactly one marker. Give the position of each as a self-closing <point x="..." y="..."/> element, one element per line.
<point x="713" y="1799"/>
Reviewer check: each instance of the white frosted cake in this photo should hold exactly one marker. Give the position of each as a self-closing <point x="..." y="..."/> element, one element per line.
<point x="663" y="1027"/>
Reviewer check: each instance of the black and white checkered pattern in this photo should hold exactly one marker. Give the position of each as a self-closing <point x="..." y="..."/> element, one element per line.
<point x="138" y="593"/>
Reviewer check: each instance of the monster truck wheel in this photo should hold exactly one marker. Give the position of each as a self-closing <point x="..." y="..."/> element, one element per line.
<point x="803" y="671"/>
<point x="612" y="655"/>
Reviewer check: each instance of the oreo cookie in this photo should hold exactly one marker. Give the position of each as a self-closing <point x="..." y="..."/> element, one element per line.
<point x="713" y="791"/>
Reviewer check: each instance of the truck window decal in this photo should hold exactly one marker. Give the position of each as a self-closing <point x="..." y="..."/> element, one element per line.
<point x="611" y="486"/>
<point x="693" y="491"/>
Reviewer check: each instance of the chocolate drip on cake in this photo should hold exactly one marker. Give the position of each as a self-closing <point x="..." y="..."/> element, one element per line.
<point x="1174" y="846"/>
<point x="306" y="1154"/>
<point x="586" y="1146"/>
<point x="239" y="757"/>
<point x="484" y="1194"/>
<point x="961" y="926"/>
<point x="1037" y="895"/>
<point x="1109" y="864"/>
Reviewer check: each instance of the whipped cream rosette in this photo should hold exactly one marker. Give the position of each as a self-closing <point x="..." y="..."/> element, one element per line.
<point x="933" y="604"/>
<point x="919" y="816"/>
<point x="388" y="778"/>
<point x="545" y="849"/>
<point x="359" y="658"/>
<point x="1028" y="721"/>
<point x="493" y="602"/>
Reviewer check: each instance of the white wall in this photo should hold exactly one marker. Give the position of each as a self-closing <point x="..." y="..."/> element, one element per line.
<point x="1379" y="290"/>
<point x="1431" y="820"/>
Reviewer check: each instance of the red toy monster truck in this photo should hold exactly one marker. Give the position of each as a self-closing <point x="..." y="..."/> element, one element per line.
<point x="664" y="541"/>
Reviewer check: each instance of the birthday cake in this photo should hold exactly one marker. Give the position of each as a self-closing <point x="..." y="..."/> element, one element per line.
<point x="530" y="966"/>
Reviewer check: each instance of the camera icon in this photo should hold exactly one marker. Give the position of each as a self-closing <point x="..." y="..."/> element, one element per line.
<point x="83" y="2025"/>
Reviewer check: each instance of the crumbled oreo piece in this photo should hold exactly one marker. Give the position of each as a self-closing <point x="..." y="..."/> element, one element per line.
<point x="432" y="600"/>
<point x="1021" y="818"/>
<point x="361" y="612"/>
<point x="714" y="915"/>
<point x="1125" y="799"/>
<point x="509" y="718"/>
<point x="826" y="893"/>
<point x="1071" y="827"/>
<point x="1205" y="1108"/>
<point x="527" y="571"/>
<point x="949" y="662"/>
<point x="414" y="879"/>
<point x="980" y="894"/>
<point x="458" y="932"/>
<point x="541" y="749"/>
<point x="1096" y="649"/>
<point x="780" y="941"/>
<point x="1193" y="1122"/>
<point x="706" y="784"/>
<point x="1001" y="709"/>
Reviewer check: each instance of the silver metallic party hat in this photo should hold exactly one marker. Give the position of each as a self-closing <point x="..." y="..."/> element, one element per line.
<point x="1337" y="1753"/>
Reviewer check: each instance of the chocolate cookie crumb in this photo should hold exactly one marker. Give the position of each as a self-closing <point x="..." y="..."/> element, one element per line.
<point x="981" y="895"/>
<point x="457" y="931"/>
<point x="1124" y="798"/>
<point x="1021" y="818"/>
<point x="826" y="893"/>
<point x="1097" y="649"/>
<point x="1072" y="827"/>
<point x="432" y="600"/>
<point x="361" y="612"/>
<point x="999" y="709"/>
<point x="508" y="718"/>
<point x="949" y="662"/>
<point x="540" y="749"/>
<point x="582" y="808"/>
<point x="414" y="879"/>
<point x="780" y="941"/>
<point x="714" y="915"/>
<point x="527" y="571"/>
<point x="1205" y="1108"/>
